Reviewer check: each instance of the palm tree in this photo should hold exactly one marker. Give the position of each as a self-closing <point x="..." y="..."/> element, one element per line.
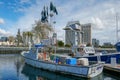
<point x="24" y="38"/>
<point x="41" y="30"/>
<point x="29" y="34"/>
<point x="27" y="37"/>
<point x="18" y="38"/>
<point x="11" y="39"/>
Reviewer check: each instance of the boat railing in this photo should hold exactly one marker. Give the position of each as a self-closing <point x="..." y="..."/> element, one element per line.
<point x="92" y="62"/>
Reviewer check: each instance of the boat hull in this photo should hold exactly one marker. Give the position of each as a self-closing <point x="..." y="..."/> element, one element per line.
<point x="82" y="71"/>
<point x="105" y="57"/>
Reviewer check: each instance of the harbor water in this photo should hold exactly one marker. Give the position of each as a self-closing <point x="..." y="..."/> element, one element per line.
<point x="12" y="67"/>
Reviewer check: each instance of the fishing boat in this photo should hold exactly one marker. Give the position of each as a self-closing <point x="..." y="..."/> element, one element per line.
<point x="92" y="55"/>
<point x="39" y="58"/>
<point x="40" y="74"/>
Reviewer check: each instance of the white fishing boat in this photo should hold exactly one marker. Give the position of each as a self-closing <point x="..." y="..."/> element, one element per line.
<point x="72" y="66"/>
<point x="84" y="51"/>
<point x="92" y="55"/>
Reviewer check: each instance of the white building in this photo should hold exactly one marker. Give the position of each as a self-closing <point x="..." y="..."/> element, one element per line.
<point x="76" y="33"/>
<point x="73" y="33"/>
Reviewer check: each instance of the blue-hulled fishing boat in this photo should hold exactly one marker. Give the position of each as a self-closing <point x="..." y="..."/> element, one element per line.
<point x="89" y="52"/>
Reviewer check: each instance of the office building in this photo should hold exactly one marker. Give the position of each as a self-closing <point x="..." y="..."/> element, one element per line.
<point x="76" y="33"/>
<point x="73" y="33"/>
<point x="95" y="42"/>
<point x="86" y="36"/>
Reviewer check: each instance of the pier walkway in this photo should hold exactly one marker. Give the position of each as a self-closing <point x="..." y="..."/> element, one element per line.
<point x="59" y="49"/>
<point x="12" y="49"/>
<point x="113" y="70"/>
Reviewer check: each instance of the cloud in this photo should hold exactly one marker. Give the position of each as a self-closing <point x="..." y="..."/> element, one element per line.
<point x="2" y="21"/>
<point x="101" y="14"/>
<point x="25" y="23"/>
<point x="4" y="33"/>
<point x="19" y="5"/>
<point x="24" y="1"/>
<point x="97" y="22"/>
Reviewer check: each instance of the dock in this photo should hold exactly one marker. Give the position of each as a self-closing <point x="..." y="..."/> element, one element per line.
<point x="7" y="50"/>
<point x="113" y="70"/>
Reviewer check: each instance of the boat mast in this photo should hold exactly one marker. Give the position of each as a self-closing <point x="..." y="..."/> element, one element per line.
<point x="53" y="13"/>
<point x="117" y="27"/>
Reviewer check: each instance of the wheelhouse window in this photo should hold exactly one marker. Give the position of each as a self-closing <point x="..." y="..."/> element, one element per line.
<point x="39" y="50"/>
<point x="33" y="50"/>
<point x="79" y="49"/>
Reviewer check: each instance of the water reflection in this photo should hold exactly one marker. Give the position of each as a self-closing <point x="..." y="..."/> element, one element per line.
<point x="110" y="77"/>
<point x="18" y="63"/>
<point x="38" y="74"/>
<point x="9" y="68"/>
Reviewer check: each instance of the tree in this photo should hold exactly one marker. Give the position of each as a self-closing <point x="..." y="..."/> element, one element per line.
<point x="88" y="44"/>
<point x="29" y="34"/>
<point x="60" y="43"/>
<point x="41" y="30"/>
<point x="67" y="45"/>
<point x="24" y="38"/>
<point x="19" y="38"/>
<point x="27" y="37"/>
<point x="11" y="39"/>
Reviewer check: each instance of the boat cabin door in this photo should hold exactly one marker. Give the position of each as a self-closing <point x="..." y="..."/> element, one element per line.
<point x="80" y="51"/>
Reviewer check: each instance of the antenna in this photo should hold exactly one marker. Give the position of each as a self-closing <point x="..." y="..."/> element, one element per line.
<point x="117" y="27"/>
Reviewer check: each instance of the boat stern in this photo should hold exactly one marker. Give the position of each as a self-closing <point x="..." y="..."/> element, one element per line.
<point x="23" y="53"/>
<point x="95" y="69"/>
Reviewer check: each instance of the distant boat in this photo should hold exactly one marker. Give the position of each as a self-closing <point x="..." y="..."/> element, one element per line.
<point x="37" y="57"/>
<point x="89" y="52"/>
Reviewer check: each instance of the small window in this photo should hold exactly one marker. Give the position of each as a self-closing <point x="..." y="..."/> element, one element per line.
<point x="79" y="49"/>
<point x="39" y="50"/>
<point x="33" y="50"/>
<point x="91" y="54"/>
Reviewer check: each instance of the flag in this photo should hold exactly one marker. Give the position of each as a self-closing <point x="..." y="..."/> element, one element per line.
<point x="44" y="12"/>
<point x="44" y="15"/>
<point x="51" y="6"/>
<point x="55" y="10"/>
<point x="47" y="10"/>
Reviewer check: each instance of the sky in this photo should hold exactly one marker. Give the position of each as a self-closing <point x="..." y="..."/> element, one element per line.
<point x="22" y="14"/>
